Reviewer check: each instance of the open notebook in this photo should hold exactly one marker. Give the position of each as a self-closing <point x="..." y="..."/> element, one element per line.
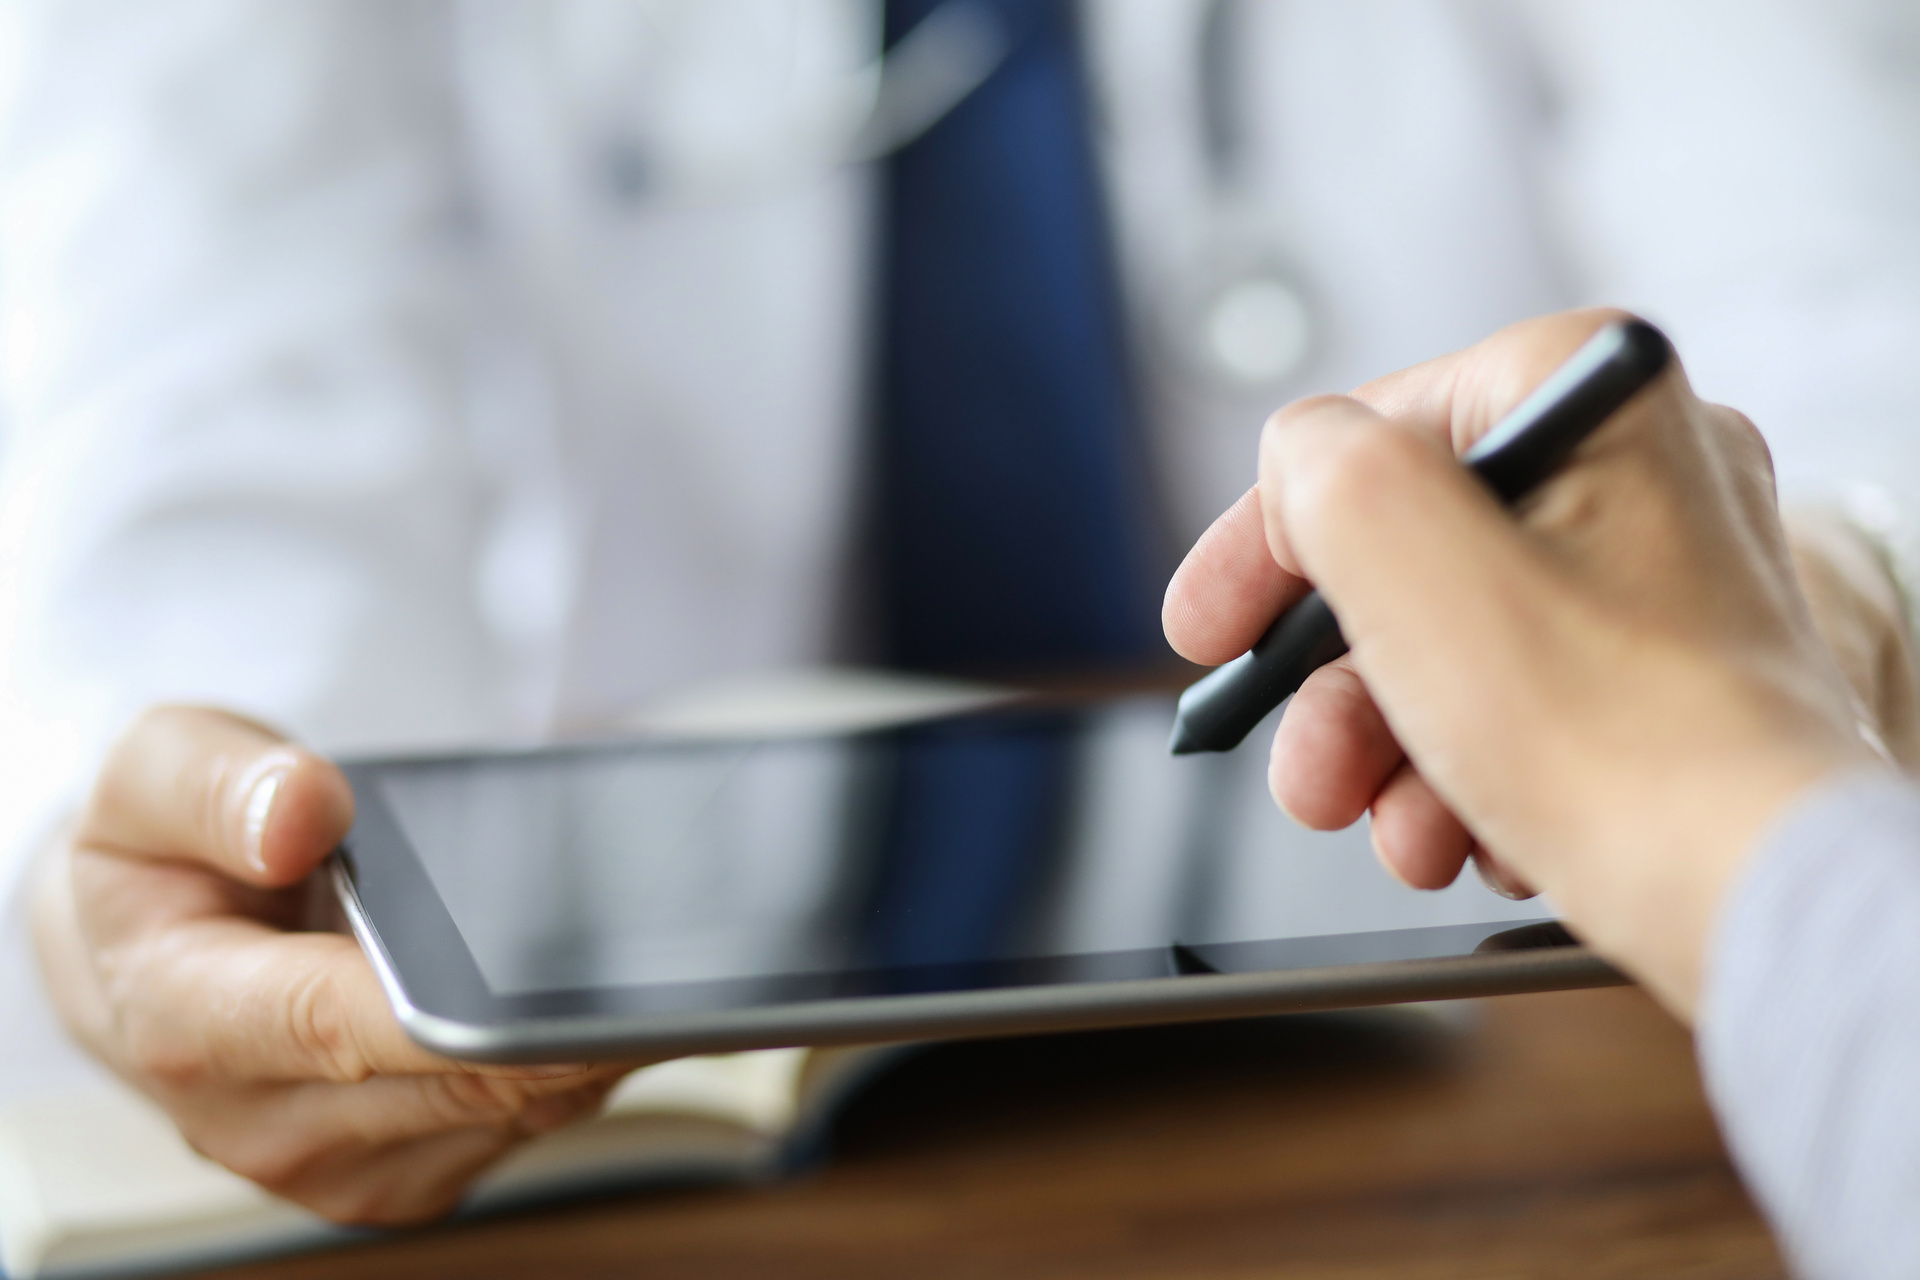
<point x="100" y="1183"/>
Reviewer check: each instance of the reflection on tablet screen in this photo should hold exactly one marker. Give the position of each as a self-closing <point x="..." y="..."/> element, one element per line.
<point x="994" y="838"/>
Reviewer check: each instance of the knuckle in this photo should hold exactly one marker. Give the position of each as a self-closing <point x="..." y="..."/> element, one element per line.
<point x="156" y="1051"/>
<point x="1305" y="407"/>
<point x="1739" y="432"/>
<point x="1737" y="451"/>
<point x="338" y="1173"/>
<point x="158" y="1057"/>
<point x="273" y="1149"/>
<point x="392" y="1189"/>
<point x="460" y="1100"/>
<point x="1281" y="423"/>
<point x="283" y="1166"/>
<point x="322" y="1030"/>
<point x="1362" y="464"/>
<point x="335" y="1173"/>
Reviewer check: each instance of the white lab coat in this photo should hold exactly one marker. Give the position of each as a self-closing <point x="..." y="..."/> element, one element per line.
<point x="456" y="369"/>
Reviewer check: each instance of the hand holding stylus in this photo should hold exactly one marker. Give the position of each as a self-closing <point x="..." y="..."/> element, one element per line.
<point x="1611" y="695"/>
<point x="1512" y="458"/>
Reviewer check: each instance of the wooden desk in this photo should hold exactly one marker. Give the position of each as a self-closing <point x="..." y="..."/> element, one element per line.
<point x="1562" y="1135"/>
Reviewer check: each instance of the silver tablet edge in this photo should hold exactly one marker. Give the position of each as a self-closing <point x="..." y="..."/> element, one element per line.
<point x="964" y="1014"/>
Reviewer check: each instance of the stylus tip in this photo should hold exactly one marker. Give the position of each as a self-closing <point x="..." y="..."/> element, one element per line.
<point x="1188" y="741"/>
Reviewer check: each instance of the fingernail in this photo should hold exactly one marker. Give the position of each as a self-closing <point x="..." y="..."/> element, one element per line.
<point x="1493" y="876"/>
<point x="259" y="808"/>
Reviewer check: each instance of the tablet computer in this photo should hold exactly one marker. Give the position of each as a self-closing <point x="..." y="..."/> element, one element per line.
<point x="1022" y="868"/>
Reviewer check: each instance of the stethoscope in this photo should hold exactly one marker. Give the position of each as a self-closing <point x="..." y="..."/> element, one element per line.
<point x="1238" y="317"/>
<point x="1244" y="319"/>
<point x="861" y="117"/>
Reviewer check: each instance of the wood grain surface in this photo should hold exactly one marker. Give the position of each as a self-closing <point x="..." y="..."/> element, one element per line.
<point x="1559" y="1135"/>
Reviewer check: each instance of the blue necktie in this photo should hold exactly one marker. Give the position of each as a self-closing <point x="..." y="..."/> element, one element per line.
<point x="1016" y="530"/>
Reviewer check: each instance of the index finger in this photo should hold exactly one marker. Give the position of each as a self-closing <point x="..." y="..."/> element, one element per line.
<point x="225" y="998"/>
<point x="1228" y="589"/>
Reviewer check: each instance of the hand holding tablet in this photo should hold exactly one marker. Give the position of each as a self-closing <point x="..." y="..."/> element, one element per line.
<point x="1513" y="458"/>
<point x="175" y="927"/>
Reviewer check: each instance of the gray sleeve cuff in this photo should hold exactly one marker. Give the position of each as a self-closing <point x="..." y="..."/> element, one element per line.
<point x="1809" y="1028"/>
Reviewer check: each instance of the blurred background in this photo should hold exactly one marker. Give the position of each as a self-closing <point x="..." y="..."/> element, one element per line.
<point x="439" y="370"/>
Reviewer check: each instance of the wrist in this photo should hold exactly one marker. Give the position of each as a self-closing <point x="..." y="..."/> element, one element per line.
<point x="1651" y="901"/>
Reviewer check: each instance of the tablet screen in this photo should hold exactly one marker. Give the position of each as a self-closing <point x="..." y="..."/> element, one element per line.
<point x="1020" y="846"/>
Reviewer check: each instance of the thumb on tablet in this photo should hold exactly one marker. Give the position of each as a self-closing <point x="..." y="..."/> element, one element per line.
<point x="205" y="786"/>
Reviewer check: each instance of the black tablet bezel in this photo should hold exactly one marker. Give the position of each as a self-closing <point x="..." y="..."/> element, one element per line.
<point x="442" y="999"/>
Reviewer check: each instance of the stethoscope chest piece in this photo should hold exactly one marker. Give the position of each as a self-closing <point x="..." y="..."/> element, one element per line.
<point x="1246" y="323"/>
<point x="1245" y="318"/>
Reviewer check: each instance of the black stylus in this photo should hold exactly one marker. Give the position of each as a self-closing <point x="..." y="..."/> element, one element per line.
<point x="1521" y="451"/>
